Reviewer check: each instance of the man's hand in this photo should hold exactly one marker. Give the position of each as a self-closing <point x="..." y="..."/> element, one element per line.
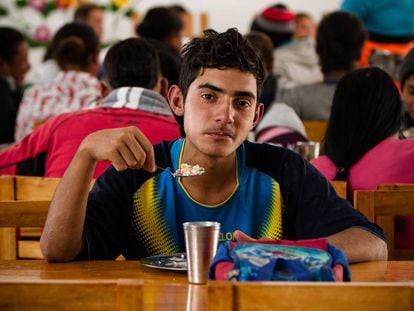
<point x="125" y="147"/>
<point x="242" y="237"/>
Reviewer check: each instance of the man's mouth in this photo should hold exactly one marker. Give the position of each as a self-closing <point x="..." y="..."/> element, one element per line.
<point x="220" y="134"/>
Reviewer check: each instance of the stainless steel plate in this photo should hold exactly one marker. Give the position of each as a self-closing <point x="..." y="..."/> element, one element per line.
<point x="177" y="262"/>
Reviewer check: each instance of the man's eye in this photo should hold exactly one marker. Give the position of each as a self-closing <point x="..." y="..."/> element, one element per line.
<point x="207" y="96"/>
<point x="243" y="103"/>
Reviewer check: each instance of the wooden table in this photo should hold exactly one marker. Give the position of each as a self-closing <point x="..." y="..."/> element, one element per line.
<point x="37" y="285"/>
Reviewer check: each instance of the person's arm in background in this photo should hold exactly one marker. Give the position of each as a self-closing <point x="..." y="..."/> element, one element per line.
<point x="23" y="157"/>
<point x="125" y="148"/>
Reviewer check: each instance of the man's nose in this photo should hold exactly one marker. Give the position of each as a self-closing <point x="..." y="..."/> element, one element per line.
<point x="225" y="112"/>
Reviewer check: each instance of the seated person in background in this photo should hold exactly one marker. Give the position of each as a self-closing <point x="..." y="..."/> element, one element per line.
<point x="163" y="24"/>
<point x="137" y="209"/>
<point x="361" y="142"/>
<point x="74" y="88"/>
<point x="14" y="64"/>
<point x="339" y="39"/>
<point x="263" y="44"/>
<point x="390" y="25"/>
<point x="407" y="93"/>
<point x="297" y="61"/>
<point x="281" y="126"/>
<point x="133" y="72"/>
<point x="277" y="21"/>
<point x="89" y="14"/>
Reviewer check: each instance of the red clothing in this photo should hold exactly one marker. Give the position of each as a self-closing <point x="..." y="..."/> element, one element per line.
<point x="59" y="138"/>
<point x="391" y="161"/>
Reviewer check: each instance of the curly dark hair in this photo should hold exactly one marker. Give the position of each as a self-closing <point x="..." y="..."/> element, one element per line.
<point x="221" y="51"/>
<point x="339" y="40"/>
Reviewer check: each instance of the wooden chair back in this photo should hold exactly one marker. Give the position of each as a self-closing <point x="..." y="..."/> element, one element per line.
<point x="315" y="130"/>
<point x="340" y="188"/>
<point x="72" y="295"/>
<point x="24" y="202"/>
<point x="244" y="296"/>
<point x="381" y="207"/>
<point x="35" y="188"/>
<point x="7" y="235"/>
<point x="396" y="186"/>
<point x="15" y="214"/>
<point x="32" y="188"/>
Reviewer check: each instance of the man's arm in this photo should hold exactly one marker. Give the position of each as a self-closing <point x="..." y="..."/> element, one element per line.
<point x="125" y="148"/>
<point x="359" y="245"/>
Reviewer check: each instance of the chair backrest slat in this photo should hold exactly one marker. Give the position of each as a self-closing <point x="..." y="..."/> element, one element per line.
<point x="23" y="213"/>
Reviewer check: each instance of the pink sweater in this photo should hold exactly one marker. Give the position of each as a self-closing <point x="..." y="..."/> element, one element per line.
<point x="391" y="161"/>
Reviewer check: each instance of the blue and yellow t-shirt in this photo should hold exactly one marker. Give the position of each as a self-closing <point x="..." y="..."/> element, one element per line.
<point x="278" y="195"/>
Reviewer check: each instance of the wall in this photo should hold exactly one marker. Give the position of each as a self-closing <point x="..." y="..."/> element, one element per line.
<point x="224" y="14"/>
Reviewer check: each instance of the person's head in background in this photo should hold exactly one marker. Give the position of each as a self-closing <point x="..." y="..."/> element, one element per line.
<point x="170" y="65"/>
<point x="304" y="26"/>
<point x="339" y="40"/>
<point x="133" y="62"/>
<point x="264" y="47"/>
<point x="219" y="51"/>
<point x="76" y="47"/>
<point x="407" y="83"/>
<point x="179" y="9"/>
<point x="366" y="109"/>
<point x="91" y="14"/>
<point x="277" y="22"/>
<point x="14" y="56"/>
<point x="163" y="24"/>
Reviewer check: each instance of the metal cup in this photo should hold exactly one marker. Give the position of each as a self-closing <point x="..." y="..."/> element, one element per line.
<point x="201" y="238"/>
<point x="307" y="149"/>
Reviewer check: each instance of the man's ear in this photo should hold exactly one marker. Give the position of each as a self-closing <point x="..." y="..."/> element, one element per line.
<point x="176" y="100"/>
<point x="258" y="114"/>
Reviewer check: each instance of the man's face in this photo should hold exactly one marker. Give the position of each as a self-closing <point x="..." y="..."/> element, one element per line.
<point x="19" y="65"/>
<point x="408" y="95"/>
<point x="220" y="110"/>
<point x="95" y="20"/>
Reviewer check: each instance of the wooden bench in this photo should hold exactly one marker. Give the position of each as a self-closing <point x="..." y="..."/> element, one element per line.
<point x="124" y="294"/>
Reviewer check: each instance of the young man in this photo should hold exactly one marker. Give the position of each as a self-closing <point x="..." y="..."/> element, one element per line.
<point x="137" y="209"/>
<point x="137" y="99"/>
